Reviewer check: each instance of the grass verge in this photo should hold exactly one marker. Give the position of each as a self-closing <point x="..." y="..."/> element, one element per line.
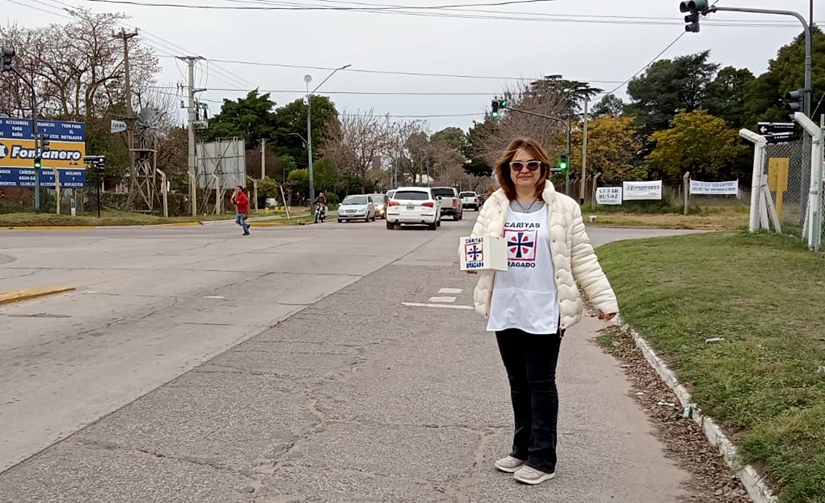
<point x="766" y="381"/>
<point x="111" y="218"/>
<point x="713" y="218"/>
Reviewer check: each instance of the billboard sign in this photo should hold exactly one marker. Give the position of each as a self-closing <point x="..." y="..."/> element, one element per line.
<point x="67" y="144"/>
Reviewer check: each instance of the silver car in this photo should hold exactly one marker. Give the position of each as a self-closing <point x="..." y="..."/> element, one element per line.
<point x="357" y="207"/>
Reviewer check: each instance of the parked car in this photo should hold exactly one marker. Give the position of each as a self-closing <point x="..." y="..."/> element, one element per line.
<point x="450" y="202"/>
<point x="380" y="201"/>
<point x="356" y="207"/>
<point x="470" y="200"/>
<point x="414" y="206"/>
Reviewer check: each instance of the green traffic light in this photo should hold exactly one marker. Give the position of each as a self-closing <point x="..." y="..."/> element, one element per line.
<point x="503" y="103"/>
<point x="37" y="164"/>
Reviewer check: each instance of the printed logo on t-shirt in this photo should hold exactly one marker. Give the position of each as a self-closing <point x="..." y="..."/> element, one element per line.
<point x="521" y="242"/>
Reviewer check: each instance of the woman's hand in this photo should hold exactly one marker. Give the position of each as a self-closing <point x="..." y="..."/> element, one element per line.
<point x="606" y="316"/>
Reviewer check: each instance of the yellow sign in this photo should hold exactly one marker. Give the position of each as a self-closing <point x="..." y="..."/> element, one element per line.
<point x="778" y="180"/>
<point x="778" y="174"/>
<point x="17" y="153"/>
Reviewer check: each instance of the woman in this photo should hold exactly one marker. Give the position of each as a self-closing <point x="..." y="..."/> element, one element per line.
<point x="530" y="305"/>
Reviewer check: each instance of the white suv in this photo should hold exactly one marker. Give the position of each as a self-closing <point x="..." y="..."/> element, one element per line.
<point x="414" y="206"/>
<point x="470" y="200"/>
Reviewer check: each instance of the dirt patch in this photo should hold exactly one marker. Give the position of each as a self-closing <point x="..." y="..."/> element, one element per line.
<point x="712" y="481"/>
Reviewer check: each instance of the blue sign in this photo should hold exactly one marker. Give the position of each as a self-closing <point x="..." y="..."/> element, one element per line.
<point x="24" y="177"/>
<point x="21" y="129"/>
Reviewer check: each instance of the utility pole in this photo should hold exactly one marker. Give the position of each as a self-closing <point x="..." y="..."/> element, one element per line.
<point x="582" y="192"/>
<point x="130" y="131"/>
<point x="263" y="158"/>
<point x="193" y="182"/>
<point x="127" y="69"/>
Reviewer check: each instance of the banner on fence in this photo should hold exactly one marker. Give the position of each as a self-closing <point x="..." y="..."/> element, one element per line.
<point x="642" y="191"/>
<point x="714" y="188"/>
<point x="609" y="195"/>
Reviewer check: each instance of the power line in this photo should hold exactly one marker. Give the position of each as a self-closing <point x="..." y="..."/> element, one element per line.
<point x="648" y="65"/>
<point x="316" y="7"/>
<point x="387" y="72"/>
<point x="433" y="116"/>
<point x="357" y="93"/>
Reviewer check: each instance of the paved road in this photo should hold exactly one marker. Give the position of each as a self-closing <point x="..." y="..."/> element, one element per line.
<point x="195" y="365"/>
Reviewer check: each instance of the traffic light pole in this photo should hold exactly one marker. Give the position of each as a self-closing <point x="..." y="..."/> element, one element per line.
<point x="36" y="139"/>
<point x="567" y="126"/>
<point x="808" y="43"/>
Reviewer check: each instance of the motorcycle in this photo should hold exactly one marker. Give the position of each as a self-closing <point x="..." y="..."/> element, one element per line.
<point x="320" y="213"/>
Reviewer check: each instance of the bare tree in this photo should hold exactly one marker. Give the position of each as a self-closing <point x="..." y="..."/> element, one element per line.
<point x="356" y="143"/>
<point x="512" y="125"/>
<point x="77" y="68"/>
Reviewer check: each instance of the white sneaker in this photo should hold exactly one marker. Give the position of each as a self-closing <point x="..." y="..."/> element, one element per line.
<point x="527" y="475"/>
<point x="509" y="464"/>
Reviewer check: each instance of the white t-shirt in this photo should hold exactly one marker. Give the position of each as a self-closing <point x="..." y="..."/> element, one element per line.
<point x="525" y="296"/>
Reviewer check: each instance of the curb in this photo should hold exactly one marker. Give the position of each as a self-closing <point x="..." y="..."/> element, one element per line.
<point x="50" y="228"/>
<point x="755" y="484"/>
<point x="32" y="293"/>
<point x="91" y="227"/>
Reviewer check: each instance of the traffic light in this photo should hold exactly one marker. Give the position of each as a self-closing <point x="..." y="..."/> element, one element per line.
<point x="38" y="162"/>
<point x="497" y="105"/>
<point x="44" y="142"/>
<point x="7" y="56"/>
<point x="694" y="6"/>
<point x="796" y="102"/>
<point x="692" y="23"/>
<point x="564" y="163"/>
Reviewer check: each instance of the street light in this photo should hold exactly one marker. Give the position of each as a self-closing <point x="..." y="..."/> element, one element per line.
<point x="307" y="80"/>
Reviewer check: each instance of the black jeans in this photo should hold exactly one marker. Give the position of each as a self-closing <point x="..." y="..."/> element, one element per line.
<point x="531" y="360"/>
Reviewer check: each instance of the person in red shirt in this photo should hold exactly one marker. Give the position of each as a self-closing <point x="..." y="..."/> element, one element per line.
<point x="241" y="203"/>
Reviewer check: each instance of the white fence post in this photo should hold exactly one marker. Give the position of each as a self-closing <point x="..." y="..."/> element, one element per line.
<point x="813" y="218"/>
<point x="760" y="144"/>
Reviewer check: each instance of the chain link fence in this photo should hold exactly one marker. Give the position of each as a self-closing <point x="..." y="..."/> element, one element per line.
<point x="787" y="169"/>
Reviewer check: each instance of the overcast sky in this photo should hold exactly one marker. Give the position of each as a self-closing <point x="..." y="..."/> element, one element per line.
<point x="588" y="40"/>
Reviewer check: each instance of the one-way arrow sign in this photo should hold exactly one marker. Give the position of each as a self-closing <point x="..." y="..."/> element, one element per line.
<point x="775" y="127"/>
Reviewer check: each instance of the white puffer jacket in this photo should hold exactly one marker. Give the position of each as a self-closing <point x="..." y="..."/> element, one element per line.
<point x="573" y="257"/>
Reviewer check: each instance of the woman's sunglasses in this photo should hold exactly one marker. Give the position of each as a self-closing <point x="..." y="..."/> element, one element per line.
<point x="519" y="165"/>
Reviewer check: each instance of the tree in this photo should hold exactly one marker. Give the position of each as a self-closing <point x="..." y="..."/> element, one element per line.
<point x="325" y="175"/>
<point x="251" y="118"/>
<point x="546" y="98"/>
<point x="669" y="86"/>
<point x="477" y="164"/>
<point x="609" y="105"/>
<point x="765" y="95"/>
<point x="357" y="144"/>
<point x="77" y="68"/>
<point x="726" y="95"/>
<point x="613" y="143"/>
<point x="697" y="142"/>
<point x="453" y="137"/>
<point x="298" y="181"/>
<point x="292" y="118"/>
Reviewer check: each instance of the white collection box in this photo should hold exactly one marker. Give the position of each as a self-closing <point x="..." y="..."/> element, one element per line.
<point x="483" y="253"/>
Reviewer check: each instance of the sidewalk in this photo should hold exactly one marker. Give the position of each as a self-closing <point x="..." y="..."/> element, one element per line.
<point x="358" y="398"/>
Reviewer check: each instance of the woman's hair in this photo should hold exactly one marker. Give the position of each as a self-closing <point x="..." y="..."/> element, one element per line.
<point x="504" y="174"/>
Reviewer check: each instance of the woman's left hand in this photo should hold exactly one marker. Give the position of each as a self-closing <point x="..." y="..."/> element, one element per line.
<point x="606" y="316"/>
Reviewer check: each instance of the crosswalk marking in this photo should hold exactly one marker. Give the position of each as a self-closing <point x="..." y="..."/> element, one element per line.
<point x="439" y="306"/>
<point x="450" y="291"/>
<point x="442" y="300"/>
